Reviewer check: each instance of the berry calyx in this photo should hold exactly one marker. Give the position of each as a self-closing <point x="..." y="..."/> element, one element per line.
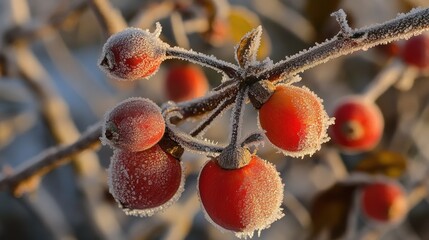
<point x="358" y="124"/>
<point x="135" y="124"/>
<point x="132" y="54"/>
<point x="294" y="120"/>
<point x="415" y="51"/>
<point x="242" y="200"/>
<point x="185" y="82"/>
<point x="145" y="182"/>
<point x="384" y="202"/>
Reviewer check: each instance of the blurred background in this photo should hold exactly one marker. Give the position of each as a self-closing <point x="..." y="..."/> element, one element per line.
<point x="51" y="90"/>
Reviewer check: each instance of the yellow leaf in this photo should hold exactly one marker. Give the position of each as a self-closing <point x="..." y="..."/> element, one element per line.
<point x="241" y="21"/>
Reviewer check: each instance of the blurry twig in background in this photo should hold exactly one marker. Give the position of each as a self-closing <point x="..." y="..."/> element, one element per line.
<point x="110" y="19"/>
<point x="287" y="18"/>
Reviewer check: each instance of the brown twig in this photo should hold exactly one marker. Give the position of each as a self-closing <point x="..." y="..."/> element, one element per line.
<point x="110" y="19"/>
<point x="17" y="182"/>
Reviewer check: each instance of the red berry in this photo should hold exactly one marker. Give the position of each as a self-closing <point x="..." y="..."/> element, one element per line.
<point x="384" y="202"/>
<point x="241" y="200"/>
<point x="145" y="182"/>
<point x="185" y="82"/>
<point x="294" y="120"/>
<point x="358" y="124"/>
<point x="135" y="124"/>
<point x="132" y="54"/>
<point x="416" y="51"/>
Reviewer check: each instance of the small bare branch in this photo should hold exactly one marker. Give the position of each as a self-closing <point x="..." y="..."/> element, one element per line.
<point x="110" y="18"/>
<point x="49" y="159"/>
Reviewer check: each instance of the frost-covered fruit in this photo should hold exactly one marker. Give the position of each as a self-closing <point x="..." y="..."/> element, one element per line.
<point x="358" y="124"/>
<point x="294" y="120"/>
<point x="415" y="51"/>
<point x="132" y="54"/>
<point x="241" y="200"/>
<point x="384" y="202"/>
<point x="145" y="182"/>
<point x="185" y="82"/>
<point x="135" y="124"/>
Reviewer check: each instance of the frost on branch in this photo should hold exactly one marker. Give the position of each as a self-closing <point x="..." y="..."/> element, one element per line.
<point x="341" y="18"/>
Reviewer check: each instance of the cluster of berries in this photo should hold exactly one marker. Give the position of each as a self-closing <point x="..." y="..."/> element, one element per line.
<point x="146" y="173"/>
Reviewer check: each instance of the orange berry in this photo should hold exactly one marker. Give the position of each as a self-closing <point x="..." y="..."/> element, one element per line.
<point x="294" y="120"/>
<point x="185" y="82"/>
<point x="358" y="124"/>
<point x="384" y="202"/>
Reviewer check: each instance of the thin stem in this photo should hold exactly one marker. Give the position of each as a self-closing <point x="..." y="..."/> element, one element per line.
<point x="229" y="69"/>
<point x="111" y="19"/>
<point x="402" y="27"/>
<point x="185" y="140"/>
<point x="48" y="160"/>
<point x="203" y="105"/>
<point x="213" y="115"/>
<point x="236" y="117"/>
<point x="384" y="79"/>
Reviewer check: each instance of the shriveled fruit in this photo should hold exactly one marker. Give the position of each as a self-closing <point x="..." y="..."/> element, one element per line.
<point x="294" y="120"/>
<point x="145" y="182"/>
<point x="132" y="54"/>
<point x="135" y="124"/>
<point x="358" y="124"/>
<point x="241" y="200"/>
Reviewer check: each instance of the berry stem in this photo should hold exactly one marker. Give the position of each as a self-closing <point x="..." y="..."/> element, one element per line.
<point x="236" y="116"/>
<point x="229" y="69"/>
<point x="185" y="140"/>
<point x="202" y="105"/>
<point x="234" y="156"/>
<point x="216" y="112"/>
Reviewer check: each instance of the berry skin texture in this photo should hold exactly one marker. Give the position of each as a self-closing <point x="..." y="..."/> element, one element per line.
<point x="415" y="51"/>
<point x="358" y="125"/>
<point x="384" y="202"/>
<point x="294" y="120"/>
<point x="241" y="200"/>
<point x="185" y="82"/>
<point x="132" y="54"/>
<point x="145" y="182"/>
<point x="135" y="124"/>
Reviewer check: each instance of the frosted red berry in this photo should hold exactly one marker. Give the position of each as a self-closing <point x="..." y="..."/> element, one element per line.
<point x="132" y="54"/>
<point x="358" y="124"/>
<point x="294" y="120"/>
<point x="415" y="51"/>
<point x="135" y="124"/>
<point x="241" y="200"/>
<point x="145" y="182"/>
<point x="185" y="82"/>
<point x="384" y="202"/>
